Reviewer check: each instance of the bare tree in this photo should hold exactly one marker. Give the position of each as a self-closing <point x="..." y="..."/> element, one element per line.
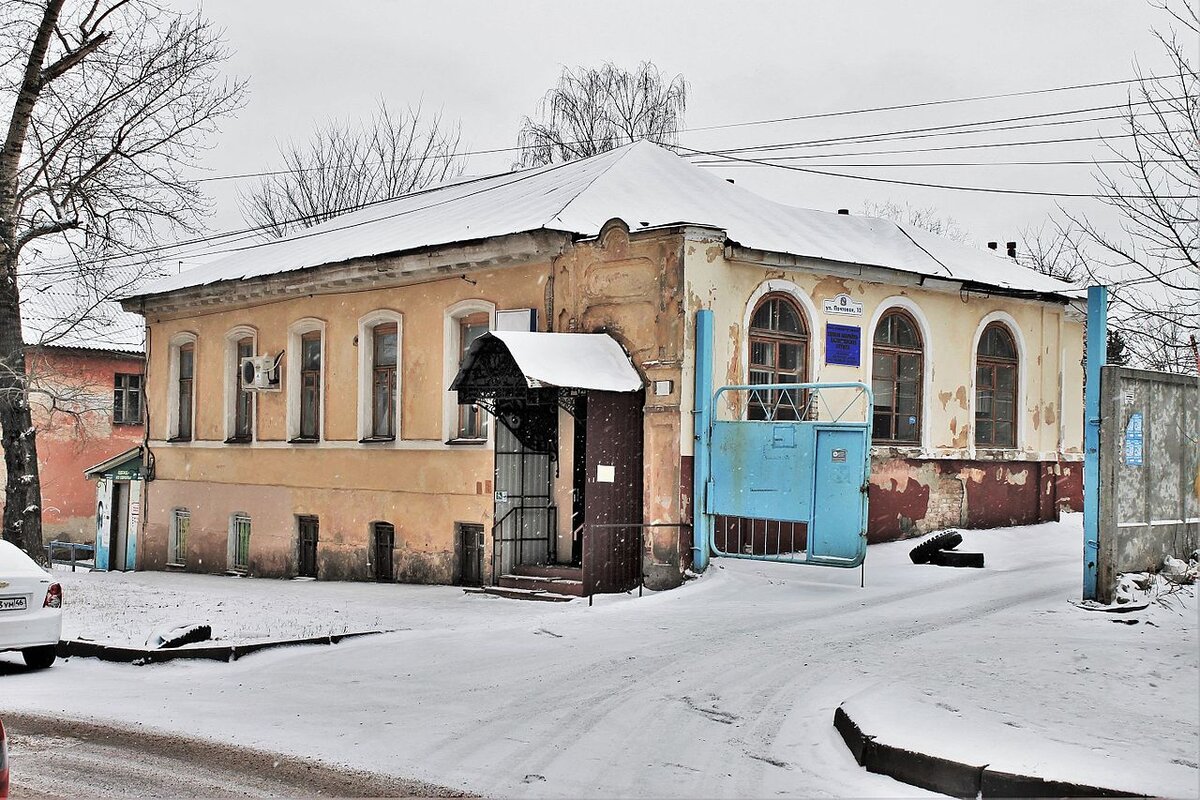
<point x="1153" y="263"/>
<point x="343" y="167"/>
<point x="105" y="103"/>
<point x="927" y="218"/>
<point x="593" y="110"/>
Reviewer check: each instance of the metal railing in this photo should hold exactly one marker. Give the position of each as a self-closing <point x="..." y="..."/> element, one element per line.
<point x="620" y="565"/>
<point x="74" y="549"/>
<point x="515" y="519"/>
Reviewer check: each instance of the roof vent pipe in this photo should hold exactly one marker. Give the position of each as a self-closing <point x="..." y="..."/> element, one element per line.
<point x="1012" y="249"/>
<point x="843" y="211"/>
<point x="993" y="245"/>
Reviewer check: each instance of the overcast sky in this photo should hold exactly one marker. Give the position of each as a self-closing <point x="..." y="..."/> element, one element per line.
<point x="487" y="63"/>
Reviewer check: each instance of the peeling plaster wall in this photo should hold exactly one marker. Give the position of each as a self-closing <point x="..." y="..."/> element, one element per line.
<point x="945" y="481"/>
<point x="419" y="484"/>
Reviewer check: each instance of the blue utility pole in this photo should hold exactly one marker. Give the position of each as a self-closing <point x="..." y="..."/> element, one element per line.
<point x="1097" y="356"/>
<point x="702" y="414"/>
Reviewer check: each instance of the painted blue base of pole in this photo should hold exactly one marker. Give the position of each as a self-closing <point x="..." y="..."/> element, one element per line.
<point x="702" y="425"/>
<point x="1097" y="357"/>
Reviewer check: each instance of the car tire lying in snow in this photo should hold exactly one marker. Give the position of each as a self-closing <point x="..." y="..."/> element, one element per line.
<point x="947" y="540"/>
<point x="39" y="657"/>
<point x="953" y="558"/>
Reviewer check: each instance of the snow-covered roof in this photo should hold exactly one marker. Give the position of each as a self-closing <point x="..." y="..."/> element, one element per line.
<point x="644" y="185"/>
<point x="81" y="310"/>
<point x="593" y="361"/>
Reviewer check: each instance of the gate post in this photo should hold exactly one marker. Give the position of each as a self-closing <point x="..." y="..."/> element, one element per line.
<point x="1097" y="356"/>
<point x="701" y="420"/>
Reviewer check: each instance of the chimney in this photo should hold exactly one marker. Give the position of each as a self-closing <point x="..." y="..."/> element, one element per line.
<point x="1012" y="249"/>
<point x="844" y="211"/>
<point x="993" y="245"/>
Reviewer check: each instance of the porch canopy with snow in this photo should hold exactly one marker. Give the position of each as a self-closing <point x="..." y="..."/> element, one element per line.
<point x="525" y="379"/>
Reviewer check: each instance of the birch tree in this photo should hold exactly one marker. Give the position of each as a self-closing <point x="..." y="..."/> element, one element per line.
<point x="104" y="104"/>
<point x="593" y="110"/>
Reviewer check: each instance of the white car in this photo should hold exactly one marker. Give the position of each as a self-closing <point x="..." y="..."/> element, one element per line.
<point x="30" y="608"/>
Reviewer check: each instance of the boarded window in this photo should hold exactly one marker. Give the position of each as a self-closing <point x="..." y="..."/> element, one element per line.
<point x="778" y="354"/>
<point x="996" y="367"/>
<point x="181" y="523"/>
<point x="239" y="543"/>
<point x="127" y="399"/>
<point x="897" y="370"/>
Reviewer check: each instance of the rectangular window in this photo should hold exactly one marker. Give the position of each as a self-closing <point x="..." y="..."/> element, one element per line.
<point x="472" y="424"/>
<point x="243" y="409"/>
<point x="310" y="386"/>
<point x="187" y="366"/>
<point x="383" y="382"/>
<point x="181" y="523"/>
<point x="240" y="543"/>
<point x="127" y="399"/>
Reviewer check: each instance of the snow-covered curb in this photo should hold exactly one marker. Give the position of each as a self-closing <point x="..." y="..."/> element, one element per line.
<point x="82" y="648"/>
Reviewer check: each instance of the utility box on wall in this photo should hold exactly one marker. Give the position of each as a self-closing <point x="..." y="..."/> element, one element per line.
<point x="1149" y="466"/>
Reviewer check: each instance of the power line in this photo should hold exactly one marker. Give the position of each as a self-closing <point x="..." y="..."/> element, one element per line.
<point x="1065" y="162"/>
<point x="921" y="184"/>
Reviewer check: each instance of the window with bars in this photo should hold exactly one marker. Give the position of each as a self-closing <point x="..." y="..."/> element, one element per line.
<point x="239" y="543"/>
<point x="897" y="372"/>
<point x="181" y="523"/>
<point x="310" y="386"/>
<point x="184" y="389"/>
<point x="243" y="402"/>
<point x="127" y="399"/>
<point x="996" y="366"/>
<point x="778" y="354"/>
<point x="384" y="358"/>
<point x="472" y="421"/>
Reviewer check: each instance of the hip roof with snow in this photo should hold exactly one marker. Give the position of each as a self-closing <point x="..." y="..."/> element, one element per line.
<point x="644" y="185"/>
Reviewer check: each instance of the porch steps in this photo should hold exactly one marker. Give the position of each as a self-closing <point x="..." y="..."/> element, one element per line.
<point x="546" y="582"/>
<point x="568" y="586"/>
<point x="520" y="594"/>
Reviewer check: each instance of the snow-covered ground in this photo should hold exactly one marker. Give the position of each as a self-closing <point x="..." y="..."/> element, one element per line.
<point x="725" y="687"/>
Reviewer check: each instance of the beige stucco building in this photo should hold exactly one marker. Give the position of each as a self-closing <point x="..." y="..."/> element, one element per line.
<point x="354" y="459"/>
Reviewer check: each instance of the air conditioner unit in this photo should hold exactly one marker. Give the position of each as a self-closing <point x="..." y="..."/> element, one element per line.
<point x="260" y="373"/>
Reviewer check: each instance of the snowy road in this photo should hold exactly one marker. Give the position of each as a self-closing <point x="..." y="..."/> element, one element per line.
<point x="725" y="687"/>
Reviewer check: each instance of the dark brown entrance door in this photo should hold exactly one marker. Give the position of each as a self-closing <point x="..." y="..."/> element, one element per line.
<point x="470" y="553"/>
<point x="307" y="547"/>
<point x="385" y="544"/>
<point x="612" y="491"/>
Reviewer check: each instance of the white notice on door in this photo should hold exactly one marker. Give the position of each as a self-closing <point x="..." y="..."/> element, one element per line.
<point x="605" y="473"/>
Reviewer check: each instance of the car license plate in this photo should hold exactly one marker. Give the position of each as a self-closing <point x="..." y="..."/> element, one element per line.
<point x="13" y="603"/>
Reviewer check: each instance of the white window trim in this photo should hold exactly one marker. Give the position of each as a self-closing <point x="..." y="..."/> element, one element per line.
<point x="232" y="367"/>
<point x="292" y="367"/>
<point x="927" y="360"/>
<point x="450" y="346"/>
<point x="1022" y="368"/>
<point x="366" y="369"/>
<point x="231" y="547"/>
<point x="177" y="341"/>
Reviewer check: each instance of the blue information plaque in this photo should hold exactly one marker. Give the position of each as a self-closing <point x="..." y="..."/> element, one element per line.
<point x="843" y="345"/>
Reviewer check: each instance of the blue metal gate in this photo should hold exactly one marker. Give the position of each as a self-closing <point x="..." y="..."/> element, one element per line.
<point x="789" y="487"/>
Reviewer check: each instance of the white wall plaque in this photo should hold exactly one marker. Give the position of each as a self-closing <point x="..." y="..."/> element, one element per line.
<point x="843" y="305"/>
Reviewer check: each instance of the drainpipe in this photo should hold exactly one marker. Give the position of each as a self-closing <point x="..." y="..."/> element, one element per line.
<point x="1097" y="355"/>
<point x="702" y="422"/>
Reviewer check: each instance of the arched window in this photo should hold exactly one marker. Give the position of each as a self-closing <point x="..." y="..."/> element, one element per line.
<point x="778" y="354"/>
<point x="996" y="388"/>
<point x="897" y="371"/>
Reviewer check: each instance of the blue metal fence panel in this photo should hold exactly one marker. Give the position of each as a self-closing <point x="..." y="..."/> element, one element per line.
<point x="762" y="470"/>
